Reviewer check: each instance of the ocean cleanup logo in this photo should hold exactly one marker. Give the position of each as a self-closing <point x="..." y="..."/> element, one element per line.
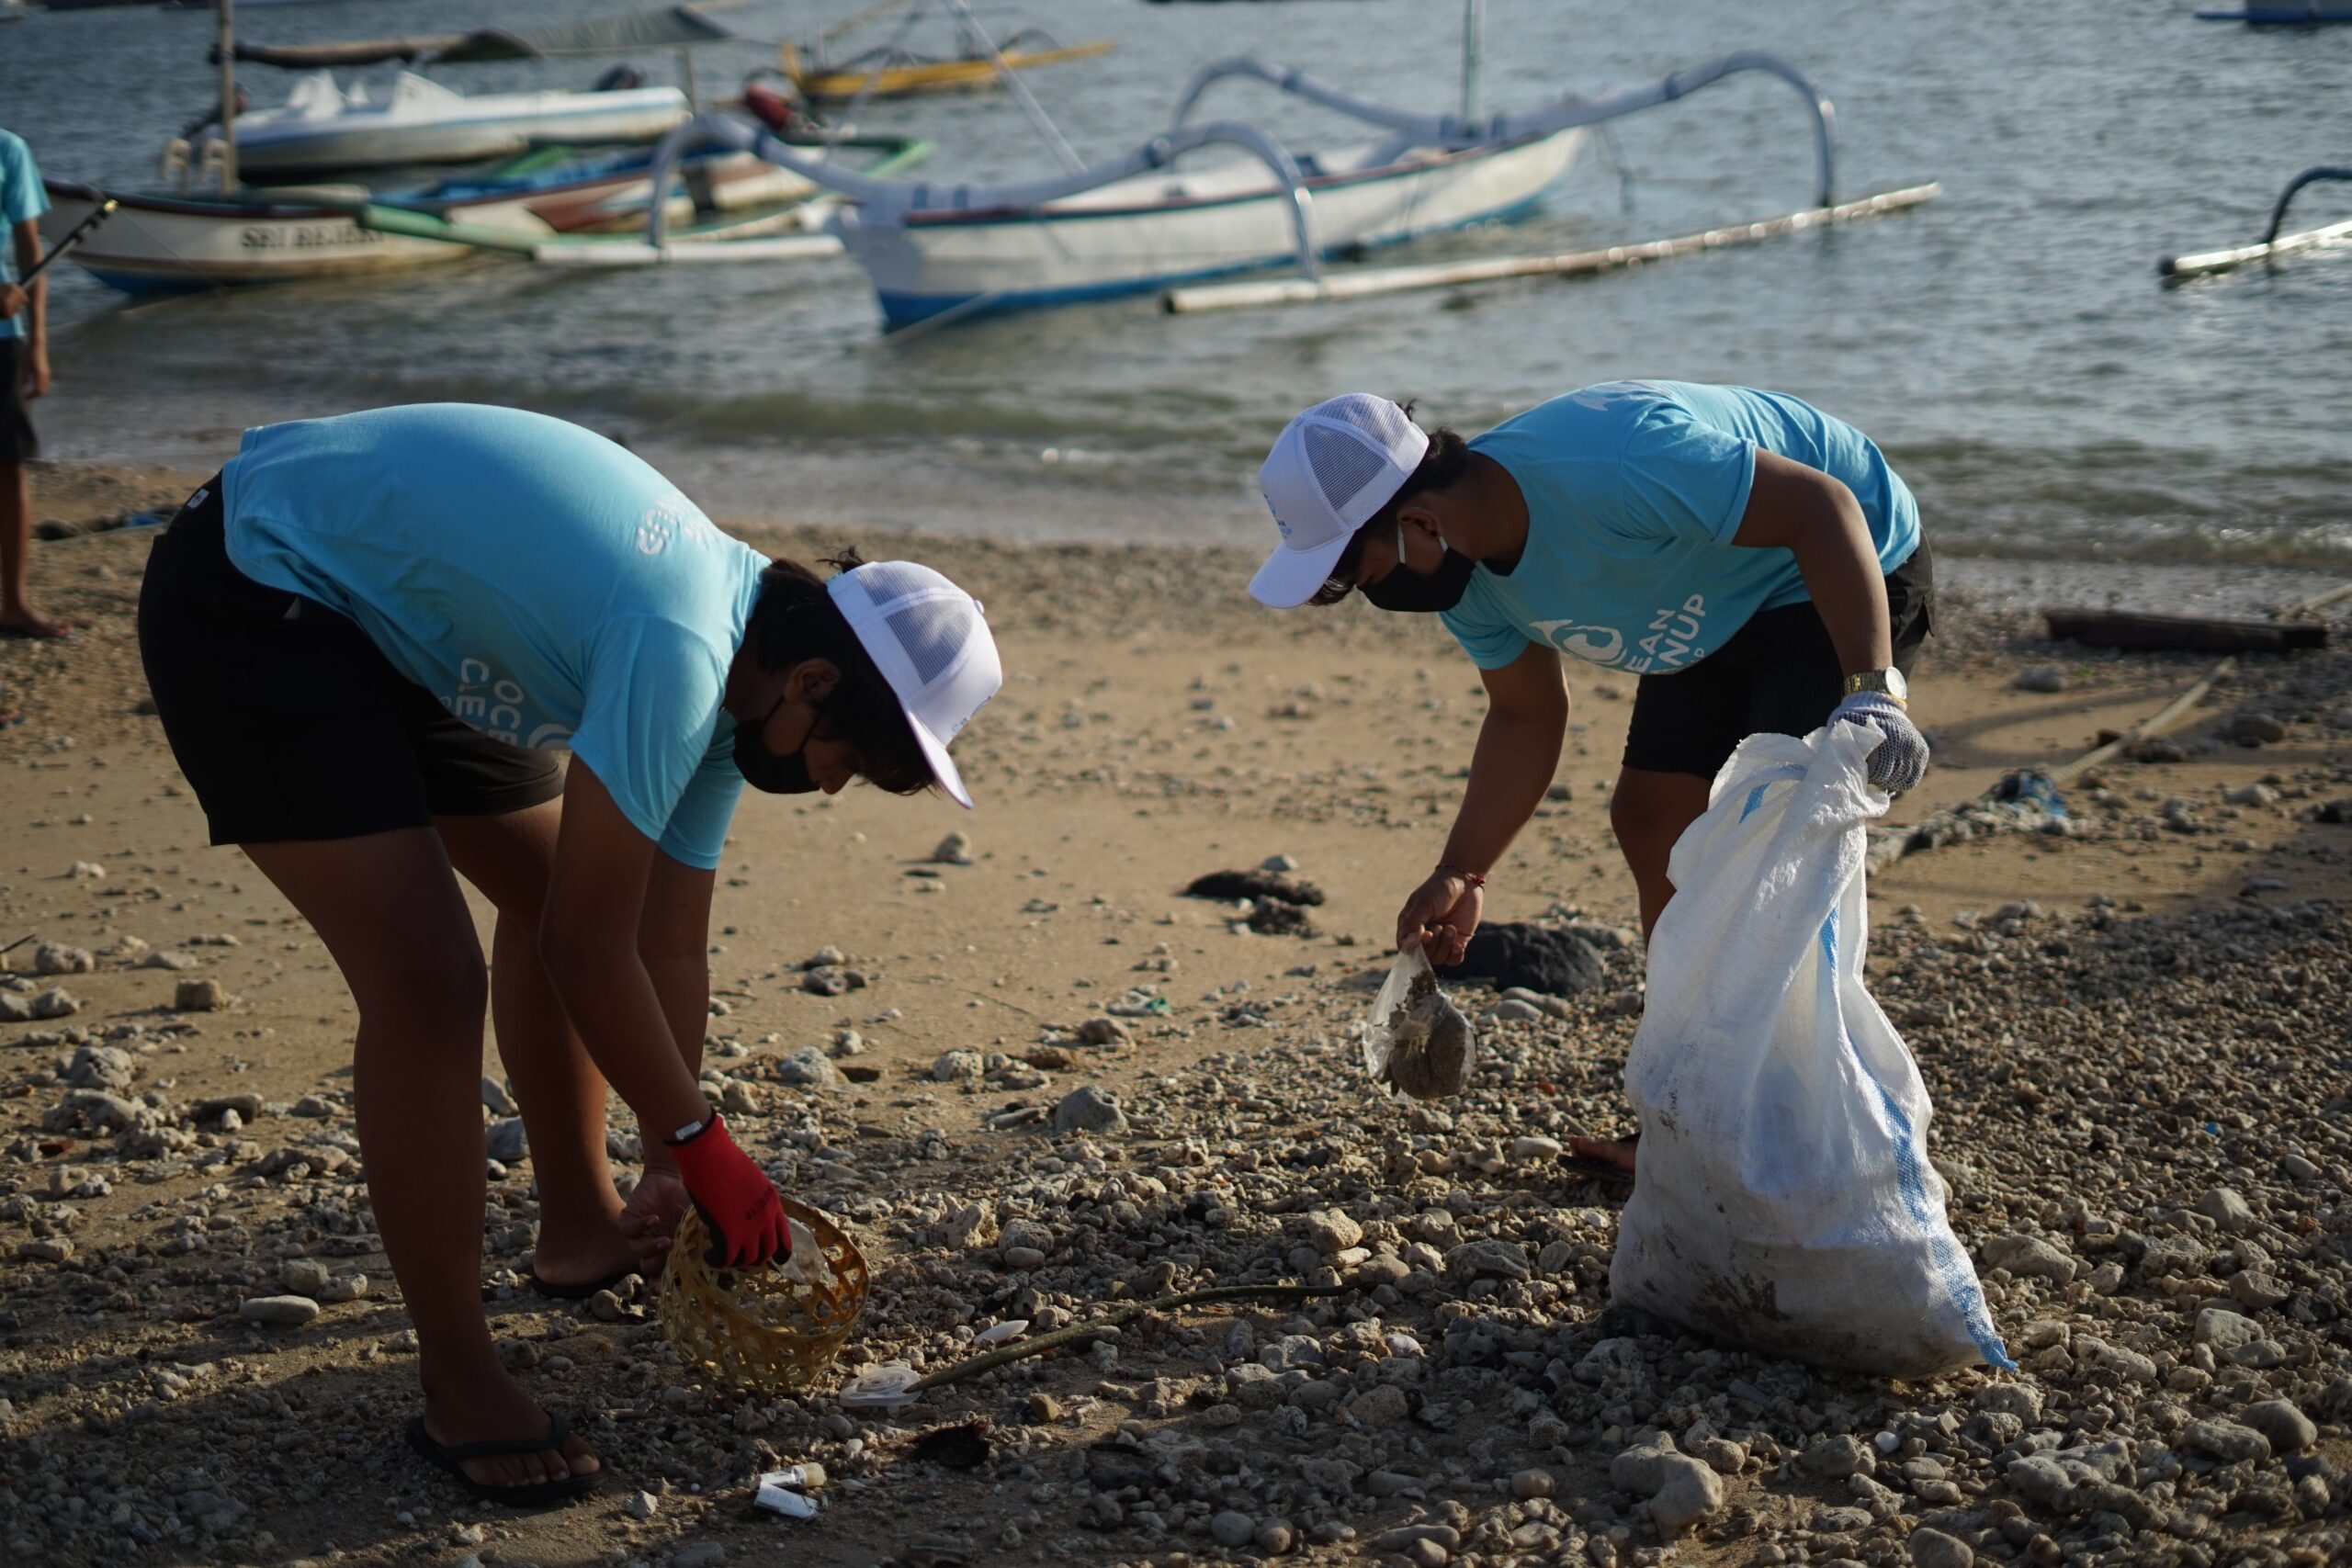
<point x="1672" y="643"/>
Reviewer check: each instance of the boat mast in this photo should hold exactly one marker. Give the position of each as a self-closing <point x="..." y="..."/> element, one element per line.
<point x="228" y="46"/>
<point x="1473" y="28"/>
<point x="1050" y="133"/>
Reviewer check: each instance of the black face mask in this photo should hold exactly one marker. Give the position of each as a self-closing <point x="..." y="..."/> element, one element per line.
<point x="762" y="769"/>
<point x="1406" y="589"/>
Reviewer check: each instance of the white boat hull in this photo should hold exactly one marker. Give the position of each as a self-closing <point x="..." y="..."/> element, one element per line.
<point x="158" y="242"/>
<point x="1141" y="234"/>
<point x="417" y="126"/>
<point x="152" y="245"/>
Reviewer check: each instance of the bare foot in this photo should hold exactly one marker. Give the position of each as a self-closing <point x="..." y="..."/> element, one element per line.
<point x="1617" y="1154"/>
<point x="486" y="1409"/>
<point x="29" y="622"/>
<point x="567" y="1267"/>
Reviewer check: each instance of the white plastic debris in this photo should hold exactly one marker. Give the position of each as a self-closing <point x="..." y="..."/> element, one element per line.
<point x="1000" y="1334"/>
<point x="881" y="1388"/>
<point x="795" y="1477"/>
<point x="784" y="1500"/>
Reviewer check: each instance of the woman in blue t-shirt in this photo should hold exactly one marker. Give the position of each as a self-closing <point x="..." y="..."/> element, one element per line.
<point x="1755" y="560"/>
<point x="366" y="639"/>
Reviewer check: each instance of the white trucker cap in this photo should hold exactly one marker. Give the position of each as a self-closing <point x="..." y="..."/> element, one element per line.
<point x="1331" y="468"/>
<point x="932" y="643"/>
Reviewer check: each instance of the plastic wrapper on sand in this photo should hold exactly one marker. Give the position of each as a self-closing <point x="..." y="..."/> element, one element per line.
<point x="1416" y="1040"/>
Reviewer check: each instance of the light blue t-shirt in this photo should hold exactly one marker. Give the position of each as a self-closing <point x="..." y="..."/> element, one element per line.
<point x="21" y="201"/>
<point x="549" y="587"/>
<point x="1634" y="492"/>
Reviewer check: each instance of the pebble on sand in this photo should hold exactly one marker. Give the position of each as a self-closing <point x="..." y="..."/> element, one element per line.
<point x="280" y="1312"/>
<point x="199" y="995"/>
<point x="57" y="958"/>
<point x="1091" y="1108"/>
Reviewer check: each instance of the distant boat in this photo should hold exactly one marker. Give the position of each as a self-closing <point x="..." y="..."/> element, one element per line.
<point x="893" y="72"/>
<point x="1133" y="225"/>
<point x="2282" y="14"/>
<point x="321" y="127"/>
<point x="160" y="242"/>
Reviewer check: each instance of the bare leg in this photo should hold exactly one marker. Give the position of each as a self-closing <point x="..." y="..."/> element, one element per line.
<point x="388" y="908"/>
<point x="560" y="1090"/>
<point x="1649" y="810"/>
<point x="16" y="549"/>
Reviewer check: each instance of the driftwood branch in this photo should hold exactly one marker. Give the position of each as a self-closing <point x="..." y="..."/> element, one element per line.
<point x="1023" y="1349"/>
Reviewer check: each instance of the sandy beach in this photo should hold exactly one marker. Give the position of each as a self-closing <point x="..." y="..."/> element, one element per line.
<point x="2118" y="1022"/>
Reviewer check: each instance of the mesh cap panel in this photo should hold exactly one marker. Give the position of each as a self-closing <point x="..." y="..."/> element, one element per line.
<point x="1376" y="417"/>
<point x="1342" y="463"/>
<point x="930" y="632"/>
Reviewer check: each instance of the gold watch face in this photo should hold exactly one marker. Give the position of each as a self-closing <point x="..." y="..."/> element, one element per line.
<point x="1889" y="681"/>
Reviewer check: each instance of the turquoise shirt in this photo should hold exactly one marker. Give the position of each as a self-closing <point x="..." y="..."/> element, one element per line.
<point x="549" y="587"/>
<point x="21" y="201"/>
<point x="1634" y="492"/>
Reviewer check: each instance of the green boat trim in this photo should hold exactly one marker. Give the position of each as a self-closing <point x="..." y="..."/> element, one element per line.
<point x="900" y="154"/>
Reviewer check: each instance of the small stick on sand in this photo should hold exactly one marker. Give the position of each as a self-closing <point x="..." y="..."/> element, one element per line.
<point x="1128" y="1313"/>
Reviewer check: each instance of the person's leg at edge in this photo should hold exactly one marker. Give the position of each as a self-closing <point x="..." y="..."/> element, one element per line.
<point x="388" y="906"/>
<point x="1649" y="810"/>
<point x="16" y="613"/>
<point x="509" y="856"/>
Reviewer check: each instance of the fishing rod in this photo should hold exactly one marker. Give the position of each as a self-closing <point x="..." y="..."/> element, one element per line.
<point x="98" y="215"/>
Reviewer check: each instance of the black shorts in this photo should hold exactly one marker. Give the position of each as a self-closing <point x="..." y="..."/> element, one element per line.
<point x="1778" y="674"/>
<point x="288" y="721"/>
<point x="18" y="442"/>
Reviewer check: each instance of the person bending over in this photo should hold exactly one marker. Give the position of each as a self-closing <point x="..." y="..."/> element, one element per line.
<point x="1755" y="560"/>
<point x="366" y="636"/>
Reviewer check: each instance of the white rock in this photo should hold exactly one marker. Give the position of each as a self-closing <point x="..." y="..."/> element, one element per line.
<point x="282" y="1312"/>
<point x="1933" y="1549"/>
<point x="2285" y="1427"/>
<point x="809" y="1067"/>
<point x="304" y="1277"/>
<point x="1091" y="1108"/>
<point x="2226" y="1330"/>
<point x="954" y="1067"/>
<point x="2226" y="1209"/>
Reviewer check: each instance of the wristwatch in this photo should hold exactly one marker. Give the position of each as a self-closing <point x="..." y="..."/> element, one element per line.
<point x="1888" y="682"/>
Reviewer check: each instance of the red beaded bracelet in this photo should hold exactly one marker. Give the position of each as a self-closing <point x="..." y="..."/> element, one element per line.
<point x="1472" y="877"/>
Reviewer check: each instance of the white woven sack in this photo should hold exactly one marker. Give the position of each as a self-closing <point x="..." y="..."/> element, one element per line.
<point x="1785" y="1202"/>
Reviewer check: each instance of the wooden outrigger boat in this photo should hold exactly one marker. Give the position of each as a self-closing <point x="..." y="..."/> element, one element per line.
<point x="897" y="74"/>
<point x="322" y="128"/>
<point x="1134" y="225"/>
<point x="168" y="241"/>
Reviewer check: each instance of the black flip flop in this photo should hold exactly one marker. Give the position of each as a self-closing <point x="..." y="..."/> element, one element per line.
<point x="612" y="1281"/>
<point x="451" y="1458"/>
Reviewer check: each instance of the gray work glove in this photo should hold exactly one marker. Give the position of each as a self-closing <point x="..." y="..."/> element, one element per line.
<point x="1901" y="759"/>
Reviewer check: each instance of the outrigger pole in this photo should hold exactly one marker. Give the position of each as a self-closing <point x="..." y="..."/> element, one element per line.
<point x="1370" y="281"/>
<point x="2174" y="268"/>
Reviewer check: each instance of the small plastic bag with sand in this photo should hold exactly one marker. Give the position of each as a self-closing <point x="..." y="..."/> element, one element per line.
<point x="1415" y="1039"/>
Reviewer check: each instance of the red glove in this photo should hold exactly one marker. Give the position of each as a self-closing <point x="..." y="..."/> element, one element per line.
<point x="734" y="1197"/>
